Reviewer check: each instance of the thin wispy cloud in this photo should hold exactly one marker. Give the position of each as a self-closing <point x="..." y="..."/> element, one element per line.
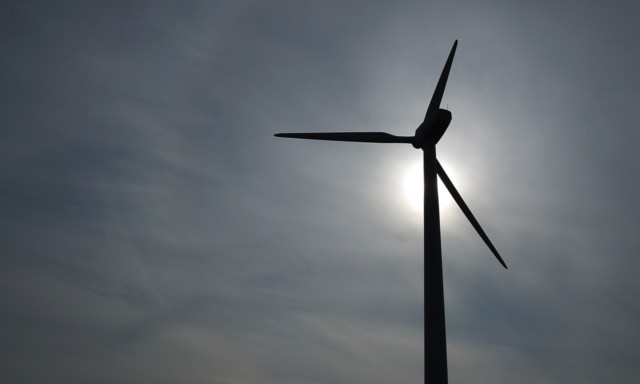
<point x="153" y="230"/>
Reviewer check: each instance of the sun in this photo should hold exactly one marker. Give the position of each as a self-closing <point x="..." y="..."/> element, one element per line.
<point x="413" y="187"/>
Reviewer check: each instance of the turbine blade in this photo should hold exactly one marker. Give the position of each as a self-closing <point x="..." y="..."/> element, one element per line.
<point x="361" y="137"/>
<point x="442" y="83"/>
<point x="467" y="212"/>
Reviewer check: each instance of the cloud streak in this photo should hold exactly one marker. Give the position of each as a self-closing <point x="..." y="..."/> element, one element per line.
<point x="153" y="230"/>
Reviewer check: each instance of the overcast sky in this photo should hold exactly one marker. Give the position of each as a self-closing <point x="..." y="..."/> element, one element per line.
<point x="152" y="229"/>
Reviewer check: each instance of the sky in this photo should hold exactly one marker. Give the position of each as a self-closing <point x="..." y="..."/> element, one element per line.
<point x="152" y="229"/>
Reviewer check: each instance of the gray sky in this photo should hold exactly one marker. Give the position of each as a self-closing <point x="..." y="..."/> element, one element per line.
<point x="152" y="229"/>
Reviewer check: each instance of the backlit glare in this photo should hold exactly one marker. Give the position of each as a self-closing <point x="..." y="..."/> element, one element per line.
<point x="413" y="187"/>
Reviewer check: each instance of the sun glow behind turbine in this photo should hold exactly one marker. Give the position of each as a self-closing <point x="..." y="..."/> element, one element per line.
<point x="413" y="187"/>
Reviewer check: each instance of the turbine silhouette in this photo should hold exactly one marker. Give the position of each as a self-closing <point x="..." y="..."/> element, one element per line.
<point x="426" y="137"/>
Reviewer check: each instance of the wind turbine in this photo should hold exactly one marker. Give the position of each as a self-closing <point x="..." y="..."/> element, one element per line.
<point x="426" y="137"/>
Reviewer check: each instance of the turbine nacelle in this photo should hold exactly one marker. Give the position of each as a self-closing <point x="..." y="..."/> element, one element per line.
<point x="432" y="128"/>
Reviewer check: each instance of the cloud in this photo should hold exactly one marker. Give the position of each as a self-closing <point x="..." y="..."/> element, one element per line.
<point x="153" y="230"/>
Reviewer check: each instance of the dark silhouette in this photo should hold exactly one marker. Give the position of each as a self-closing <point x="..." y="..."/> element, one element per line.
<point x="426" y="137"/>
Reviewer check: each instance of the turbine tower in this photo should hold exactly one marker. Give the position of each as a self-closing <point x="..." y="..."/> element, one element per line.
<point x="426" y="137"/>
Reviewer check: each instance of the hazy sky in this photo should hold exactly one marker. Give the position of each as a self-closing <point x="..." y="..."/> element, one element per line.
<point x="152" y="229"/>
